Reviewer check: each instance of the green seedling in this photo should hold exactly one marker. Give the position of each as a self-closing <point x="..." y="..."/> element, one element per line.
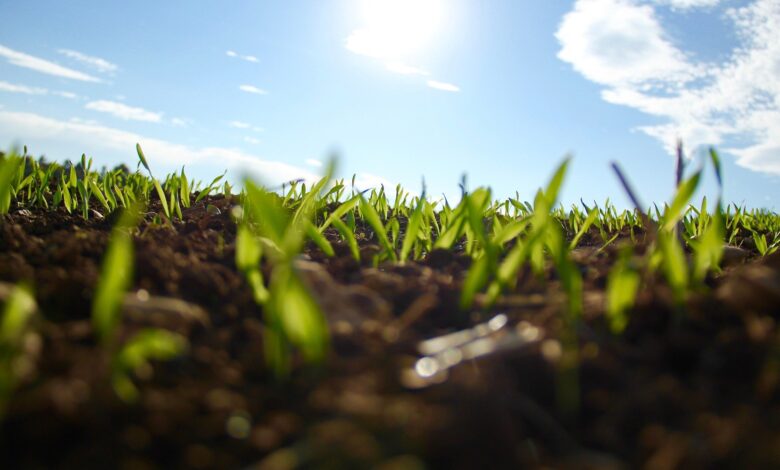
<point x="293" y="317"/>
<point x="213" y="185"/>
<point x="370" y="214"/>
<point x="9" y="171"/>
<point x="248" y="253"/>
<point x="157" y="187"/>
<point x="135" y="355"/>
<point x="414" y="226"/>
<point x="15" y="328"/>
<point x="116" y="276"/>
<point x="622" y="287"/>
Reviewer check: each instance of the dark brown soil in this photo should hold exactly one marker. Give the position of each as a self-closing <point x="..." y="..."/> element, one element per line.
<point x="681" y="388"/>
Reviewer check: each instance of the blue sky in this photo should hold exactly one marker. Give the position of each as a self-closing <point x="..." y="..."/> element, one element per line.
<point x="402" y="89"/>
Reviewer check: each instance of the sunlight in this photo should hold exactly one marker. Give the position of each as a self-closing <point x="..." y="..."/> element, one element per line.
<point x="395" y="29"/>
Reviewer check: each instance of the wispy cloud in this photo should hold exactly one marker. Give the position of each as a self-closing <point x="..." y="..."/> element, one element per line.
<point x="251" y="140"/>
<point x="688" y="4"/>
<point x="93" y="137"/>
<point x="21" y="59"/>
<point x="247" y="58"/>
<point x="245" y="125"/>
<point x="444" y="86"/>
<point x="96" y="63"/>
<point x="123" y="111"/>
<point x="179" y="122"/>
<point x="624" y="47"/>
<point x="66" y="94"/>
<point x="252" y="89"/>
<point x="28" y="90"/>
<point x="313" y="162"/>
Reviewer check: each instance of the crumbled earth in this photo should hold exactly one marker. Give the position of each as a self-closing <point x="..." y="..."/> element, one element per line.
<point x="682" y="387"/>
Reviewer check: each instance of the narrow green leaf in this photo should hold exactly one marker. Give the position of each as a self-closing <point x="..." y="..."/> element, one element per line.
<point x="372" y="217"/>
<point x="708" y="249"/>
<point x="141" y="156"/>
<point x="146" y="345"/>
<point x="476" y="279"/>
<point x="412" y="229"/>
<point x="115" y="277"/>
<point x="265" y="211"/>
<point x="673" y="214"/>
<point x="210" y="187"/>
<point x="592" y="215"/>
<point x="161" y="196"/>
<point x="303" y="321"/>
<point x="674" y="264"/>
<point x="340" y="211"/>
<point x="99" y="195"/>
<point x="318" y="239"/>
<point x="716" y="163"/>
<point x="622" y="286"/>
<point x="8" y="168"/>
<point x="554" y="186"/>
<point x="17" y="314"/>
<point x="349" y="236"/>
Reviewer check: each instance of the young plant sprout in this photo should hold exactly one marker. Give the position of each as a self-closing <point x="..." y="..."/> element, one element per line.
<point x="115" y="279"/>
<point x="15" y="328"/>
<point x="269" y="231"/>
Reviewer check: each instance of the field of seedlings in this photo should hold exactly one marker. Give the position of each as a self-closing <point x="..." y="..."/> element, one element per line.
<point x="168" y="323"/>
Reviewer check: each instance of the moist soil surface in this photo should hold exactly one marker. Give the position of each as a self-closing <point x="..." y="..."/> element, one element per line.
<point x="693" y="386"/>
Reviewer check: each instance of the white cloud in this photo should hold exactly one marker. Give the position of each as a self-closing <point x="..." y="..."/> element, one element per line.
<point x="123" y="111"/>
<point x="66" y="94"/>
<point x="27" y="90"/>
<point x="687" y="4"/>
<point x="101" y="65"/>
<point x="245" y="125"/>
<point x="623" y="46"/>
<point x="94" y="137"/>
<point x="365" y="181"/>
<point x="89" y="122"/>
<point x="617" y="42"/>
<point x="404" y="69"/>
<point x="21" y="59"/>
<point x="247" y="58"/>
<point x="179" y="122"/>
<point x="444" y="86"/>
<point x="313" y="162"/>
<point x="252" y="89"/>
<point x="251" y="140"/>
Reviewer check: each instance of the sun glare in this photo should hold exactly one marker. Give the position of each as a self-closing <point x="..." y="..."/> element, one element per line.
<point x="396" y="29"/>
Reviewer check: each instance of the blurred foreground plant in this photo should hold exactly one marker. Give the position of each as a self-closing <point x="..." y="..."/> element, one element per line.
<point x="115" y="278"/>
<point x="268" y="230"/>
<point x="16" y="329"/>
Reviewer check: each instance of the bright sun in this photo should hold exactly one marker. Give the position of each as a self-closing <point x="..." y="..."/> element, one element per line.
<point x="395" y="29"/>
